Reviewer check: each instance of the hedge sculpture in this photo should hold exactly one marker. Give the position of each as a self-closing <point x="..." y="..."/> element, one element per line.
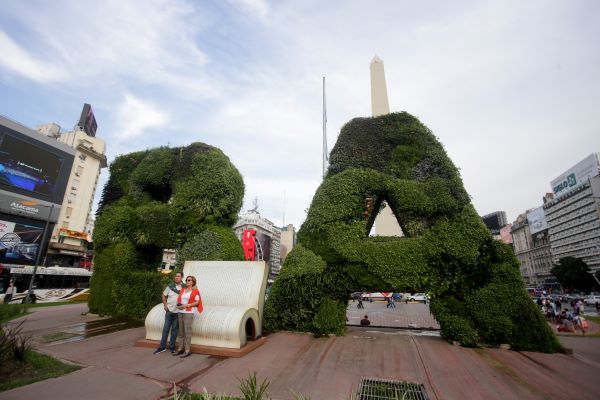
<point x="474" y="281"/>
<point x="184" y="198"/>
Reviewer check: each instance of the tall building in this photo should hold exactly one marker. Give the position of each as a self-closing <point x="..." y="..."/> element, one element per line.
<point x="531" y="245"/>
<point x="71" y="235"/>
<point x="267" y="235"/>
<point x="288" y="240"/>
<point x="495" y="222"/>
<point x="386" y="223"/>
<point x="573" y="215"/>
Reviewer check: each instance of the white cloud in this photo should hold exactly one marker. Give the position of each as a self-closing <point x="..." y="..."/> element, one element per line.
<point x="21" y="62"/>
<point x="134" y="116"/>
<point x="258" y="8"/>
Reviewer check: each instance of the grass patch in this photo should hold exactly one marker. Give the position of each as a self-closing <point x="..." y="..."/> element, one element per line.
<point x="593" y="318"/>
<point x="12" y="311"/>
<point x="35" y="367"/>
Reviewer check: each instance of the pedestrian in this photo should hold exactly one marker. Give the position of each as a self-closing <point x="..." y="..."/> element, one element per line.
<point x="392" y="302"/>
<point x="598" y="306"/>
<point x="187" y="301"/>
<point x="360" y="303"/>
<point x="9" y="292"/>
<point x="389" y="302"/>
<point x="365" y="321"/>
<point x="169" y="300"/>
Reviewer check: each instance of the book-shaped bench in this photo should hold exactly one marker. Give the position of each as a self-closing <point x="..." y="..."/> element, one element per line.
<point x="233" y="296"/>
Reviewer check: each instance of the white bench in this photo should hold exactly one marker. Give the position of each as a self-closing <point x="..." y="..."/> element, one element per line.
<point x="233" y="296"/>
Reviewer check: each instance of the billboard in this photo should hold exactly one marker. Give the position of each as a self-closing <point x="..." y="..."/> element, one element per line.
<point x="576" y="175"/>
<point x="33" y="165"/>
<point x="20" y="239"/>
<point x="87" y="121"/>
<point x="537" y="220"/>
<point x="248" y="244"/>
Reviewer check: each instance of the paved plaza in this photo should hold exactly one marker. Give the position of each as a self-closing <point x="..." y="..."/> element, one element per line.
<point x="404" y="315"/>
<point x="327" y="368"/>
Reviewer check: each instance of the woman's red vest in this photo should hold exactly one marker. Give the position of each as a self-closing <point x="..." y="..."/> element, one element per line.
<point x="191" y="300"/>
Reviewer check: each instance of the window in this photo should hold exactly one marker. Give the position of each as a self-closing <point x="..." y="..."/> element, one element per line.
<point x="75" y="184"/>
<point x="68" y="212"/>
<point x="65" y="224"/>
<point x="71" y="197"/>
<point x="79" y="170"/>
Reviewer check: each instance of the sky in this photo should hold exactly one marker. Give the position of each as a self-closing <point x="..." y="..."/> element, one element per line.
<point x="510" y="88"/>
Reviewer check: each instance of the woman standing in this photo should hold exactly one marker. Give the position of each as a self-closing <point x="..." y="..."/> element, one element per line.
<point x="9" y="292"/>
<point x="189" y="298"/>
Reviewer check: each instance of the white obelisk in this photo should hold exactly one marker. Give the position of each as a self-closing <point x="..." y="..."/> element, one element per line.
<point x="386" y="223"/>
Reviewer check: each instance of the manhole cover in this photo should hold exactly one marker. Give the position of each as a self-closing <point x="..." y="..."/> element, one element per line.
<point x="383" y="389"/>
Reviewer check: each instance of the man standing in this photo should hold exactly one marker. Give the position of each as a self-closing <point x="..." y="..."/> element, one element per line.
<point x="169" y="300"/>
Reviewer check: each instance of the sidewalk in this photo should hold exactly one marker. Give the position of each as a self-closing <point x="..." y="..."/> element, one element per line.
<point x="326" y="368"/>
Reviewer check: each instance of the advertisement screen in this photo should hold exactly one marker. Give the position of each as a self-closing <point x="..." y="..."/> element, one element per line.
<point x="28" y="167"/>
<point x="587" y="168"/>
<point x="19" y="241"/>
<point x="537" y="220"/>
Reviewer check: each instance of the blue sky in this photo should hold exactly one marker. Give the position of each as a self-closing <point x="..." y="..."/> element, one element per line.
<point x="510" y="88"/>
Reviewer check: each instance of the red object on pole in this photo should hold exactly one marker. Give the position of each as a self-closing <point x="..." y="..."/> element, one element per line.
<point x="248" y="244"/>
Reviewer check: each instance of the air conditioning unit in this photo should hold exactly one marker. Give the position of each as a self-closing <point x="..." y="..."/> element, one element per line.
<point x="77" y="174"/>
<point x="74" y="187"/>
<point x="69" y="201"/>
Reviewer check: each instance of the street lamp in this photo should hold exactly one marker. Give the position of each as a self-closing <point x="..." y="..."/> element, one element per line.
<point x="595" y="277"/>
<point x="39" y="256"/>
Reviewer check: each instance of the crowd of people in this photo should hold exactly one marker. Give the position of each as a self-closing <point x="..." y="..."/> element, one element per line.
<point x="566" y="319"/>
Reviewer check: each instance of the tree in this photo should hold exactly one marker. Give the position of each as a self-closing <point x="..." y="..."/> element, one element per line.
<point x="573" y="273"/>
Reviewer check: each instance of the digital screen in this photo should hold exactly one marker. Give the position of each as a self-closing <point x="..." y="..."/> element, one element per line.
<point x="19" y="242"/>
<point x="28" y="167"/>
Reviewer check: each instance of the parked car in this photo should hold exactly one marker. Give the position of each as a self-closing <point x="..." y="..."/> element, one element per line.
<point x="418" y="297"/>
<point x="592" y="299"/>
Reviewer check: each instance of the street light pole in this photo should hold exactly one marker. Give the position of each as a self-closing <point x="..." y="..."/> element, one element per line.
<point x="38" y="256"/>
<point x="594" y="275"/>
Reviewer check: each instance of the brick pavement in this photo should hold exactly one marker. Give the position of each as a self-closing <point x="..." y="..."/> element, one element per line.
<point x="325" y="368"/>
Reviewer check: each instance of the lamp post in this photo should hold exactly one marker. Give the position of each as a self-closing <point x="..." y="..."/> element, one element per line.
<point x="594" y="275"/>
<point x="38" y="256"/>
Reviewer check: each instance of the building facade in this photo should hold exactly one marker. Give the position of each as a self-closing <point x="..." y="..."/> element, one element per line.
<point x="267" y="234"/>
<point x="34" y="171"/>
<point x="532" y="249"/>
<point x="71" y="236"/>
<point x="574" y="223"/>
<point x="288" y="241"/>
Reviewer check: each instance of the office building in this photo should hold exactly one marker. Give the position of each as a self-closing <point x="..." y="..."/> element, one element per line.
<point x="72" y="234"/>
<point x="267" y="238"/>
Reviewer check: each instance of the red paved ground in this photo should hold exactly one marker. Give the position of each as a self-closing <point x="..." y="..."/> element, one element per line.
<point x="325" y="368"/>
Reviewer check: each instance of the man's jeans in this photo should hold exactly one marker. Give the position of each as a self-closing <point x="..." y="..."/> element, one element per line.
<point x="171" y="324"/>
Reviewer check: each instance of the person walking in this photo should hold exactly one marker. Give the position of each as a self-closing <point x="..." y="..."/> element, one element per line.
<point x="10" y="290"/>
<point x="189" y="298"/>
<point x="169" y="300"/>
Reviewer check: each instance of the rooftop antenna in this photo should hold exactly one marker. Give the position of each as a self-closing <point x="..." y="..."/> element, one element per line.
<point x="283" y="218"/>
<point x="325" y="152"/>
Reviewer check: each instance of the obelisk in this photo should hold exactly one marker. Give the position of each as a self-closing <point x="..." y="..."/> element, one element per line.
<point x="386" y="223"/>
<point x="379" y="98"/>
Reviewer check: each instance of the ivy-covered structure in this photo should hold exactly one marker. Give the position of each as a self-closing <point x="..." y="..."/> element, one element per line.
<point x="477" y="292"/>
<point x="185" y="198"/>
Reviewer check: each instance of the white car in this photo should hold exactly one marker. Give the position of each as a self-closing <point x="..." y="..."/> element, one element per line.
<point x="418" y="297"/>
<point x="592" y="299"/>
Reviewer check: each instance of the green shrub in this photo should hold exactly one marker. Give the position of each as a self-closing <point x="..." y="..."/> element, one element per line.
<point x="135" y="293"/>
<point x="446" y="250"/>
<point x="212" y="243"/>
<point x="184" y="198"/>
<point x="331" y="317"/>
